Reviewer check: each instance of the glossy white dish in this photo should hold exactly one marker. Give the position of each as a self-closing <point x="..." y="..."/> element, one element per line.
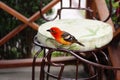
<point x="92" y="33"/>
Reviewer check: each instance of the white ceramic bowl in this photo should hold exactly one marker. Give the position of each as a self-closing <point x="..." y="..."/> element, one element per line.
<point x="92" y="33"/>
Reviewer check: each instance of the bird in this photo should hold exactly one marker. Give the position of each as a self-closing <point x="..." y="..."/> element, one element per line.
<point x="63" y="37"/>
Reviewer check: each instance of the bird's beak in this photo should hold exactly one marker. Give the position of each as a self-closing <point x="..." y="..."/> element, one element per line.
<point x="48" y="30"/>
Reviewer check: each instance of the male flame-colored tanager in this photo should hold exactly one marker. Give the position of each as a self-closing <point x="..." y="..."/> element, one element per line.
<point x="63" y="37"/>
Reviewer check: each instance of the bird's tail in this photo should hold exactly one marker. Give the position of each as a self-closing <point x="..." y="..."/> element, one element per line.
<point x="80" y="43"/>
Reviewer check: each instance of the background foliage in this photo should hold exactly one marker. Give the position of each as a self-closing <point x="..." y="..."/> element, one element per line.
<point x="19" y="46"/>
<point x="115" y="12"/>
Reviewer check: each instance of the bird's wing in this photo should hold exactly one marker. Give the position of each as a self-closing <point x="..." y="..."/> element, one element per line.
<point x="68" y="37"/>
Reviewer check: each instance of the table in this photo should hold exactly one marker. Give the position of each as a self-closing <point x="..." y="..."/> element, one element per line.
<point x="92" y="33"/>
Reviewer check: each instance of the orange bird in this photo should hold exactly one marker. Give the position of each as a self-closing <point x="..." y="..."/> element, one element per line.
<point x="63" y="37"/>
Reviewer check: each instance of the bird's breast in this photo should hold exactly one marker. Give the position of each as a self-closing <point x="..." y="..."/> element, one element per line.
<point x="62" y="41"/>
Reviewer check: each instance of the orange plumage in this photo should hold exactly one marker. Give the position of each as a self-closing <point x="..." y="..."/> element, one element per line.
<point x="63" y="37"/>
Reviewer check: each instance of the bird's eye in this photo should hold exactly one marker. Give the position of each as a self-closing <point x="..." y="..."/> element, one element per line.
<point x="53" y="31"/>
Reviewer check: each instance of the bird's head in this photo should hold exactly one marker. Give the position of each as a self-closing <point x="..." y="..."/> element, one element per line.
<point x="55" y="31"/>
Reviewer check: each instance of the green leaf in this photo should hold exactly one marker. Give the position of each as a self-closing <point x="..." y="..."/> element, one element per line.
<point x="116" y="4"/>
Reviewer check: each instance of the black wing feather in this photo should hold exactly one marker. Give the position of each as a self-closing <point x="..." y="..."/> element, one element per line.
<point x="70" y="38"/>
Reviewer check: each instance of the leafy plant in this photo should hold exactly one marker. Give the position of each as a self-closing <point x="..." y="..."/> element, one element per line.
<point x="19" y="46"/>
<point x="115" y="12"/>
